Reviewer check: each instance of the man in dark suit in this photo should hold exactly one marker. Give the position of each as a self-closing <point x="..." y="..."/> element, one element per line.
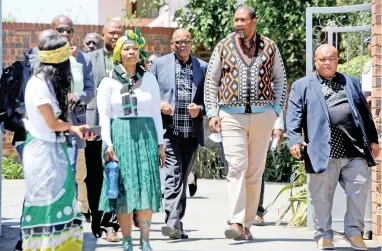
<point x="340" y="141"/>
<point x="181" y="80"/>
<point x="102" y="65"/>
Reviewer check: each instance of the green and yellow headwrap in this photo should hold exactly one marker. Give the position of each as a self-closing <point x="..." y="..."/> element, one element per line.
<point x="55" y="56"/>
<point x="130" y="37"/>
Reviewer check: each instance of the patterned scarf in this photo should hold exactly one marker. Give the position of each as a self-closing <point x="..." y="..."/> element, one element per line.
<point x="120" y="74"/>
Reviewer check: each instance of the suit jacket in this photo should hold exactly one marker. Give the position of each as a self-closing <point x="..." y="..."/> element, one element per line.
<point x="307" y="112"/>
<point x="99" y="72"/>
<point x="163" y="69"/>
<point x="78" y="115"/>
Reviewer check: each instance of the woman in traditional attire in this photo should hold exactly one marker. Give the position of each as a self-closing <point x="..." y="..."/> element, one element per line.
<point x="128" y="105"/>
<point x="51" y="219"/>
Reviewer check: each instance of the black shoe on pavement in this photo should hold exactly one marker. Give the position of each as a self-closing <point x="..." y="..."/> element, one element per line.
<point x="19" y="246"/>
<point x="193" y="187"/>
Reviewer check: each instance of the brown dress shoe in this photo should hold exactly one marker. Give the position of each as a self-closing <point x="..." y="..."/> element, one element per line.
<point x="235" y="231"/>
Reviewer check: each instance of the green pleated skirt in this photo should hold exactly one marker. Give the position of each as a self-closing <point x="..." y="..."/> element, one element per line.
<point x="135" y="144"/>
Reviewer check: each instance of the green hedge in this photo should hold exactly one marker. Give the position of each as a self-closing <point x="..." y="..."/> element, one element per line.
<point x="11" y="169"/>
<point x="354" y="67"/>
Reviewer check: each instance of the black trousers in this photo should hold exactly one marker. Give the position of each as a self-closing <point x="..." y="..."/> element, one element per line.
<point x="94" y="180"/>
<point x="260" y="208"/>
<point x="180" y="157"/>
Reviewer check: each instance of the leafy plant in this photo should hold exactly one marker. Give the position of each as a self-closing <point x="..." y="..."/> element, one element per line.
<point x="210" y="21"/>
<point x="297" y="202"/>
<point x="354" y="66"/>
<point x="11" y="169"/>
<point x="279" y="164"/>
<point x="209" y="164"/>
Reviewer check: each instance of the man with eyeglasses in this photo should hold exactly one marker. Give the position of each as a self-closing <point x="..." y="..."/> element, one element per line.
<point x="149" y="62"/>
<point x="102" y="64"/>
<point x="340" y="141"/>
<point x="181" y="80"/>
<point x="92" y="42"/>
<point x="82" y="94"/>
<point x="244" y="96"/>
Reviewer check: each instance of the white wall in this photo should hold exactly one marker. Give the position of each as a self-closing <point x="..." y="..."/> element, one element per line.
<point x="43" y="11"/>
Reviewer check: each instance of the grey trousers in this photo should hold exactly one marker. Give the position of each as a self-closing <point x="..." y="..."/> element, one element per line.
<point x="354" y="177"/>
<point x="180" y="156"/>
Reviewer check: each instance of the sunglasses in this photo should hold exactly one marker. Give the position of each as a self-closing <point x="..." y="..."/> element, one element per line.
<point x="91" y="42"/>
<point x="180" y="42"/>
<point x="62" y="30"/>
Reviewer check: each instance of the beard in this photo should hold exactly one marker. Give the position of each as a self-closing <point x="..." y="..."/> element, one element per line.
<point x="241" y="33"/>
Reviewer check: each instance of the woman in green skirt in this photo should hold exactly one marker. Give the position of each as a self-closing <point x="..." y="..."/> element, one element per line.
<point x="128" y="106"/>
<point x="51" y="218"/>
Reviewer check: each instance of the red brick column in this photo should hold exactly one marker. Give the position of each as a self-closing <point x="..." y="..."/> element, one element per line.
<point x="376" y="110"/>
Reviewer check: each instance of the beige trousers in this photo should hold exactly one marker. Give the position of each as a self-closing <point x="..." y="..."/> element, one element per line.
<point x="245" y="142"/>
<point x="80" y="178"/>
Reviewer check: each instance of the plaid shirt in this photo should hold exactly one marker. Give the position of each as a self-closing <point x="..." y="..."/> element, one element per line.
<point x="181" y="121"/>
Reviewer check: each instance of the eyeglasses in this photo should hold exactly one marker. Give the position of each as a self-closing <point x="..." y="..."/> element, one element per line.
<point x="149" y="62"/>
<point x="91" y="42"/>
<point x="62" y="30"/>
<point x="331" y="60"/>
<point x="180" y="42"/>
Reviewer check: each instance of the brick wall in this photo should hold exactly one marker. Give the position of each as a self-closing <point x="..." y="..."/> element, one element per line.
<point x="376" y="110"/>
<point x="19" y="37"/>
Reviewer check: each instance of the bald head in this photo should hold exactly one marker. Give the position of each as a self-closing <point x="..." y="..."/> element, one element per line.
<point x="326" y="60"/>
<point x="92" y="41"/>
<point x="114" y="23"/>
<point x="181" y="32"/>
<point x="64" y="26"/>
<point x="61" y="19"/>
<point x="325" y="48"/>
<point x="112" y="31"/>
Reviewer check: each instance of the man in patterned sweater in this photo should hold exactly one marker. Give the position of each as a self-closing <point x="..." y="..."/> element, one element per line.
<point x="242" y="105"/>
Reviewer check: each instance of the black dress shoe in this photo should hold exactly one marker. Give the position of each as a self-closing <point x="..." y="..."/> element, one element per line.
<point x="19" y="246"/>
<point x="87" y="217"/>
<point x="193" y="187"/>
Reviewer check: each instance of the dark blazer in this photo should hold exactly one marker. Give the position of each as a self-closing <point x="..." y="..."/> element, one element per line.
<point x="307" y="112"/>
<point x="163" y="69"/>
<point x="99" y="72"/>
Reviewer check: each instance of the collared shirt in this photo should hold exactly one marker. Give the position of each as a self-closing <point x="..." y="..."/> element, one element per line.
<point x="343" y="144"/>
<point x="181" y="121"/>
<point x="251" y="50"/>
<point x="108" y="61"/>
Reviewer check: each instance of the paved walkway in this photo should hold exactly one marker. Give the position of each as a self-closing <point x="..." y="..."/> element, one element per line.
<point x="205" y="222"/>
